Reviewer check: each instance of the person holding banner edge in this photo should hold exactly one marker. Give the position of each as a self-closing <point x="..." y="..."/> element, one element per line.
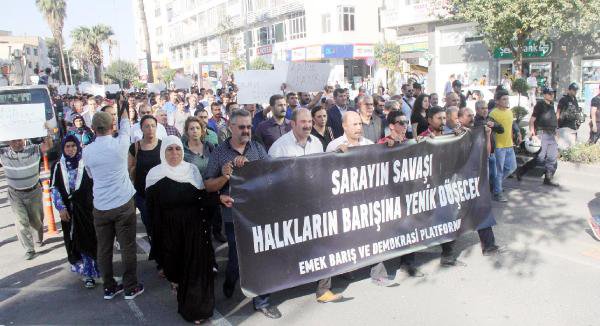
<point x="236" y="151"/>
<point x="300" y="142"/>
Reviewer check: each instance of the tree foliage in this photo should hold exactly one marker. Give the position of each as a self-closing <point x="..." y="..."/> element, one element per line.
<point x="388" y="55"/>
<point x="78" y="75"/>
<point x="510" y="23"/>
<point x="167" y="75"/>
<point x="88" y="41"/>
<point x="260" y="64"/>
<point x="55" y="12"/>
<point x="121" y="71"/>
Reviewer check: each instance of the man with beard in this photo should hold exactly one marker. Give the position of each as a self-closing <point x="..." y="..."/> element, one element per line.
<point x="434" y="99"/>
<point x="436" y="117"/>
<point x="267" y="132"/>
<point x="466" y="117"/>
<point x="299" y="142"/>
<point x="217" y="122"/>
<point x="236" y="151"/>
<point x="305" y="98"/>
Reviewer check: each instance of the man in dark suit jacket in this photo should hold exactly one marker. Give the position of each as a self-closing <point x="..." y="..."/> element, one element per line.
<point x="334" y="113"/>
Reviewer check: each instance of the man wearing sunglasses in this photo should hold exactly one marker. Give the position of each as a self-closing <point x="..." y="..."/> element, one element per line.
<point x="398" y="123"/>
<point x="236" y="151"/>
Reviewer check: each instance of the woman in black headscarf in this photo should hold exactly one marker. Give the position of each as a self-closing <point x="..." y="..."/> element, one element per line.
<point x="72" y="197"/>
<point x="177" y="204"/>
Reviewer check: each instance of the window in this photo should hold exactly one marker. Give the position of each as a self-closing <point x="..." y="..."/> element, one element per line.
<point x="196" y="50"/>
<point x="180" y="54"/>
<point x="159" y="48"/>
<point x="346" y="18"/>
<point x="326" y="23"/>
<point x="279" y="33"/>
<point x="169" y="12"/>
<point x="158" y="31"/>
<point x="157" y="12"/>
<point x="204" y="48"/>
<point x="27" y="51"/>
<point x="35" y="51"/>
<point x="266" y="35"/>
<point x="412" y="2"/>
<point x="297" y="26"/>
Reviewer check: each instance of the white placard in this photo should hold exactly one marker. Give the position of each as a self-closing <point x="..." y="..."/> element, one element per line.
<point x="98" y="90"/>
<point x="257" y="86"/>
<point x="182" y="82"/>
<point x="85" y="88"/>
<point x="155" y="87"/>
<point x="21" y="121"/>
<point x="307" y="76"/>
<point x="66" y="89"/>
<point x="112" y="88"/>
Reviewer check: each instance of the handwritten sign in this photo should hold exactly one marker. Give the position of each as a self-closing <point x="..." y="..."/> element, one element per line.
<point x="21" y="121"/>
<point x="257" y="86"/>
<point x="112" y="88"/>
<point x="307" y="76"/>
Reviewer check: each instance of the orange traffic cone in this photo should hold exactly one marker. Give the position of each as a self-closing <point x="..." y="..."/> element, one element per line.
<point x="48" y="212"/>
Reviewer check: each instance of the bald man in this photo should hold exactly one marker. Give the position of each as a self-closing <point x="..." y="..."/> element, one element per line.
<point x="353" y="133"/>
<point x="452" y="99"/>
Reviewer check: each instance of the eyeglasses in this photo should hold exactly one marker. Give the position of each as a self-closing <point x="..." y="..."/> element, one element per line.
<point x="401" y="122"/>
<point x="242" y="127"/>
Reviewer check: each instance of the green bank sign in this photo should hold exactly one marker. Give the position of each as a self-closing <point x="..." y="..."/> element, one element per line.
<point x="531" y="49"/>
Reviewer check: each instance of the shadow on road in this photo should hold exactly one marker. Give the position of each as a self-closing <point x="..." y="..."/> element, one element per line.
<point x="26" y="277"/>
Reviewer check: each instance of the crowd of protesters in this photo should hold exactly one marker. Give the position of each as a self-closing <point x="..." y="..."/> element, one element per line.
<point x="171" y="156"/>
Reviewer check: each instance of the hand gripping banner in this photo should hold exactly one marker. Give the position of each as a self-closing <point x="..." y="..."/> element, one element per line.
<point x="299" y="220"/>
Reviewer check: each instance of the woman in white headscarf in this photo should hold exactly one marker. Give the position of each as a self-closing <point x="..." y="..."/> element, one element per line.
<point x="177" y="204"/>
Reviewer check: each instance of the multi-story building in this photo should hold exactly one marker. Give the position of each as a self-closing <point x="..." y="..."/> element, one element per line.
<point x="31" y="50"/>
<point x="199" y="37"/>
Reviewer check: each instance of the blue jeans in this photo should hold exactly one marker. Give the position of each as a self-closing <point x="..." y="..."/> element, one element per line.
<point x="232" y="273"/>
<point x="492" y="170"/>
<point x="506" y="163"/>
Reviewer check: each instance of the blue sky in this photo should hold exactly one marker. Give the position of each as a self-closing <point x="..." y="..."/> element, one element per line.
<point x="23" y="18"/>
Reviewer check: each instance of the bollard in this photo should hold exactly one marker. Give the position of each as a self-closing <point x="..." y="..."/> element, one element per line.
<point x="47" y="200"/>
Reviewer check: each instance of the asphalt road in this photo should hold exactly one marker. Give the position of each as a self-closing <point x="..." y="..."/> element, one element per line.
<point x="549" y="276"/>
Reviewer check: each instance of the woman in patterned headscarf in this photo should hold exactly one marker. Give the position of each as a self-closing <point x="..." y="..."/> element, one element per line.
<point x="72" y="197"/>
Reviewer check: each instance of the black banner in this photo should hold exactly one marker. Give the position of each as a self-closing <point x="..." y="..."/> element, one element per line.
<point x="298" y="220"/>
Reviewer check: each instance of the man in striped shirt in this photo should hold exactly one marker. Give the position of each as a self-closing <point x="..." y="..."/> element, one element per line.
<point x="21" y="162"/>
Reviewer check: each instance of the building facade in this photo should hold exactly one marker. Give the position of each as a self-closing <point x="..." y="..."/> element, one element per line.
<point x="201" y="37"/>
<point x="30" y="51"/>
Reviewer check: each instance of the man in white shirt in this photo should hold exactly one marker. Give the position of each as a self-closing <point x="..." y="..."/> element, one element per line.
<point x="114" y="209"/>
<point x="353" y="135"/>
<point x="299" y="142"/>
<point x="533" y="84"/>
<point x="136" y="130"/>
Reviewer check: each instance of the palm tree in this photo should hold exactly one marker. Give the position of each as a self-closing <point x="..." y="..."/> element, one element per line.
<point x="55" y="12"/>
<point x="90" y="41"/>
<point x="146" y="41"/>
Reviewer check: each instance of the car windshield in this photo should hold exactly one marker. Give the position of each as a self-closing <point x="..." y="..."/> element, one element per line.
<point x="28" y="96"/>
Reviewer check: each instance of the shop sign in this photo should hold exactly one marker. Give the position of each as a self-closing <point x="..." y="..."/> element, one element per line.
<point x="263" y="50"/>
<point x="298" y="54"/>
<point x="337" y="51"/>
<point x="361" y="51"/>
<point x="414" y="47"/>
<point x="313" y="52"/>
<point x="531" y="49"/>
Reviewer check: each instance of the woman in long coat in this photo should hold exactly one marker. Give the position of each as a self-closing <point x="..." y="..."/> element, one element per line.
<point x="177" y="203"/>
<point x="72" y="197"/>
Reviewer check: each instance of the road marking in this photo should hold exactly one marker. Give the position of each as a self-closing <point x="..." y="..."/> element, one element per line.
<point x="219" y="320"/>
<point x="136" y="311"/>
